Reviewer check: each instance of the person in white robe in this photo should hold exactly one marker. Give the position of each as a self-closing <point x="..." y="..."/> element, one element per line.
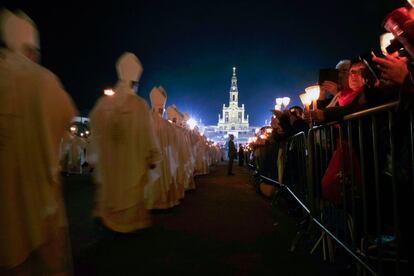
<point x="167" y="198"/>
<point x="175" y="117"/>
<point x="35" y="112"/>
<point x="126" y="151"/>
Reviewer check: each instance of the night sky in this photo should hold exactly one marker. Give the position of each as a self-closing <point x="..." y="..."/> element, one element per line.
<point x="190" y="47"/>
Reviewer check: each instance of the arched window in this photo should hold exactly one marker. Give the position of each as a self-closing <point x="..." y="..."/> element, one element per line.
<point x="234" y="97"/>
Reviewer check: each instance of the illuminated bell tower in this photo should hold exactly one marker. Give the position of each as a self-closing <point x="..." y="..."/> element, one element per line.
<point x="233" y="120"/>
<point x="234" y="92"/>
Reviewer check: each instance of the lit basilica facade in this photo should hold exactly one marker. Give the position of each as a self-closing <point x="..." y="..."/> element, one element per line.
<point x="232" y="120"/>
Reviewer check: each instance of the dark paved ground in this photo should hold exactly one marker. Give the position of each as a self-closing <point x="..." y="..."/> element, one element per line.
<point x="222" y="228"/>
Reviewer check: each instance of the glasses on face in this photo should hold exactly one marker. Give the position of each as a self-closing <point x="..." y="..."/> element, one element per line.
<point x="356" y="72"/>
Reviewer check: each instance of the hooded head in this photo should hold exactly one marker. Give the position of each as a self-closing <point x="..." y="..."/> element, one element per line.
<point x="173" y="114"/>
<point x="19" y="34"/>
<point x="158" y="98"/>
<point x="129" y="70"/>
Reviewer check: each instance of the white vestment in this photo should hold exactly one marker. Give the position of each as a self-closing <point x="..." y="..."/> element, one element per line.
<point x="35" y="112"/>
<point x="125" y="146"/>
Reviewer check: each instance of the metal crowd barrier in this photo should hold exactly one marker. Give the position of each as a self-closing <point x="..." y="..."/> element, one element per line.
<point x="354" y="180"/>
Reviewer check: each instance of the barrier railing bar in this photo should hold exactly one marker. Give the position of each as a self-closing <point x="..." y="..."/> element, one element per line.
<point x="289" y="190"/>
<point x="364" y="187"/>
<point x="377" y="190"/>
<point x="370" y="111"/>
<point x="320" y="224"/>
<point x="412" y="147"/>
<point x="344" y="246"/>
<point x="394" y="193"/>
<point x="351" y="167"/>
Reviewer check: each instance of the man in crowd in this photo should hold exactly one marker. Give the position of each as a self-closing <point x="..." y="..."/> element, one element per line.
<point x="35" y="112"/>
<point x="241" y="155"/>
<point x="231" y="154"/>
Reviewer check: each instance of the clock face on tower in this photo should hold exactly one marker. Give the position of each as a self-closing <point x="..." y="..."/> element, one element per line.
<point x="233" y="87"/>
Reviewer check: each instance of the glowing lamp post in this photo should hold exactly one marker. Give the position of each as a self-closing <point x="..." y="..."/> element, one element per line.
<point x="286" y="101"/>
<point x="306" y="101"/>
<point x="313" y="94"/>
<point x="109" y="92"/>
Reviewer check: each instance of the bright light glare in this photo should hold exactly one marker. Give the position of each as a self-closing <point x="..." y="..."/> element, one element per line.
<point x="192" y="123"/>
<point x="313" y="92"/>
<point x="279" y="101"/>
<point x="385" y="41"/>
<point x="109" y="92"/>
<point x="305" y="99"/>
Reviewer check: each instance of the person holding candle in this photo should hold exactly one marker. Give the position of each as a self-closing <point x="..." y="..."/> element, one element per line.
<point x="349" y="100"/>
<point x="332" y="88"/>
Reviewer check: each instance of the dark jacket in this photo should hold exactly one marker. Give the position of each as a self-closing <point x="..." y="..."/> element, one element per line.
<point x="232" y="150"/>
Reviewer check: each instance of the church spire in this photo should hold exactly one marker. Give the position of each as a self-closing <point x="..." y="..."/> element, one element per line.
<point x="234" y="82"/>
<point x="234" y="91"/>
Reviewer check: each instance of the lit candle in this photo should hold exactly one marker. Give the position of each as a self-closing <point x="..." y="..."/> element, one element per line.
<point x="313" y="92"/>
<point x="304" y="98"/>
<point x="279" y="101"/>
<point x="286" y="101"/>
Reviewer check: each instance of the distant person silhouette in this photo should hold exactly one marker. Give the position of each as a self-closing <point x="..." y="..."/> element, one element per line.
<point x="232" y="154"/>
<point x="241" y="155"/>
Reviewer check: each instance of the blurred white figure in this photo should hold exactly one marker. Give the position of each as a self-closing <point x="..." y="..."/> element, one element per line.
<point x="165" y="134"/>
<point x="123" y="139"/>
<point x="75" y="154"/>
<point x="175" y="116"/>
<point x="35" y="112"/>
